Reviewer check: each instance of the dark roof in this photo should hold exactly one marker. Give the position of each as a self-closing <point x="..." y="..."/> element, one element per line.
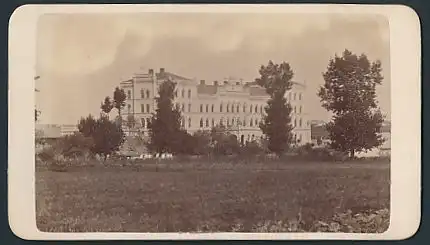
<point x="207" y="89"/>
<point x="166" y="75"/>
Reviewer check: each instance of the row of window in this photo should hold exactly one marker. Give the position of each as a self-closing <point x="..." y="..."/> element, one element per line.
<point x="293" y="96"/>
<point x="183" y="93"/>
<point x="232" y="108"/>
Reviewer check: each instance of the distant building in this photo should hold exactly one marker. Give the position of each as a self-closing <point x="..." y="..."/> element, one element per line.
<point x="236" y="104"/>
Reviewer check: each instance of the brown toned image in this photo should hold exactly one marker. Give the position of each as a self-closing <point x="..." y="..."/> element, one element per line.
<point x="212" y="122"/>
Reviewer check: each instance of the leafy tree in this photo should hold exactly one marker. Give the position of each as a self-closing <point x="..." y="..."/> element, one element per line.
<point x="276" y="123"/>
<point x="349" y="93"/>
<point x="202" y="140"/>
<point x="223" y="142"/>
<point x="87" y="126"/>
<point x="119" y="98"/>
<point x="107" y="137"/>
<point x="166" y="122"/>
<point x="76" y="145"/>
<point x="107" y="105"/>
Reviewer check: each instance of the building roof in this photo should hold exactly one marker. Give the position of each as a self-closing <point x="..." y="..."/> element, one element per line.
<point x="167" y="75"/>
<point x="257" y="91"/>
<point x="207" y="89"/>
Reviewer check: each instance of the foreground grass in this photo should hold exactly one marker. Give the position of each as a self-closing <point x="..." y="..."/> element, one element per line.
<point x="220" y="197"/>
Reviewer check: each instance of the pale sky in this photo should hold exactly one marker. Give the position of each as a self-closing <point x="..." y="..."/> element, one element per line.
<point x="82" y="58"/>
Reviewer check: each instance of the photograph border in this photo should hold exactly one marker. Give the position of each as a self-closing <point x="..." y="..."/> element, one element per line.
<point x="405" y="52"/>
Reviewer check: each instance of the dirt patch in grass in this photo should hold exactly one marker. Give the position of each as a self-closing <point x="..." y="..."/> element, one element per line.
<point x="198" y="197"/>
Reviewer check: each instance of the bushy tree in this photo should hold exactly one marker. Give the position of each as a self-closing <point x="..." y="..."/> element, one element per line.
<point x="165" y="122"/>
<point x="107" y="137"/>
<point x="76" y="145"/>
<point x="119" y="98"/>
<point x="107" y="106"/>
<point x="349" y="92"/>
<point x="276" y="123"/>
<point x="87" y="126"/>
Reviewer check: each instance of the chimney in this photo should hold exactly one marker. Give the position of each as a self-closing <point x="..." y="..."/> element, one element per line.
<point x="202" y="82"/>
<point x="162" y="70"/>
<point x="151" y="72"/>
<point x="216" y="83"/>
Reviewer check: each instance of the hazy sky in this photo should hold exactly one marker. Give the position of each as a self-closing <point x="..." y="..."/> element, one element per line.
<point x="81" y="58"/>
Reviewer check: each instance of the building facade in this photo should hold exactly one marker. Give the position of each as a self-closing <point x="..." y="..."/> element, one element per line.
<point x="236" y="104"/>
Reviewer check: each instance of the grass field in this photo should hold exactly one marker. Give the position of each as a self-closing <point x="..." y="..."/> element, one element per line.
<point x="202" y="197"/>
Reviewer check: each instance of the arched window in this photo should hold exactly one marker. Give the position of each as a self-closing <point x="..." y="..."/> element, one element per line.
<point x="142" y="93"/>
<point x="228" y="107"/>
<point x="300" y="122"/>
<point x="250" y="109"/>
<point x="256" y="108"/>
<point x="201" y="108"/>
<point x="201" y="122"/>
<point x="232" y="121"/>
<point x="244" y="108"/>
<point x="251" y="123"/>
<point x="207" y="108"/>
<point x="232" y="107"/>
<point x="256" y="122"/>
<point x="212" y="108"/>
<point x="189" y="93"/>
<point x="147" y="94"/>
<point x="220" y="107"/>
<point x="189" y="122"/>
<point x="183" y="93"/>
<point x="237" y="108"/>
<point x="207" y="122"/>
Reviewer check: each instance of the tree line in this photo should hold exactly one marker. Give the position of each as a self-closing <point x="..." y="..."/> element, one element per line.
<point x="348" y="92"/>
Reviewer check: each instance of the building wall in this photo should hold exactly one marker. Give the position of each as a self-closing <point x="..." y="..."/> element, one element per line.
<point x="204" y="105"/>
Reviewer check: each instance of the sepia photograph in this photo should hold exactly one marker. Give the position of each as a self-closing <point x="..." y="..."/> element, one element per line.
<point x="213" y="122"/>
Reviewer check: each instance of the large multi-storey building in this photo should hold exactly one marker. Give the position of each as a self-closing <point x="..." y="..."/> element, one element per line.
<point x="233" y="103"/>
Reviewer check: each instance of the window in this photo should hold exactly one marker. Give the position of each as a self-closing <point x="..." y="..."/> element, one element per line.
<point x="237" y="108"/>
<point x="201" y="108"/>
<point x="142" y="93"/>
<point x="261" y="109"/>
<point x="228" y="107"/>
<point x="244" y="122"/>
<point x="256" y="122"/>
<point x="189" y="122"/>
<point x="142" y="108"/>
<point x="189" y="93"/>
<point x="183" y="107"/>
<point x="183" y="93"/>
<point x="294" y="96"/>
<point x="220" y="108"/>
<point x="295" y="122"/>
<point x="232" y="107"/>
<point x="244" y="108"/>
<point x="256" y="109"/>
<point x="207" y="108"/>
<point x="212" y="108"/>
<point x="207" y="122"/>
<point x="300" y="109"/>
<point x="300" y="122"/>
<point x="213" y="122"/>
<point x="128" y="94"/>
<point x="221" y="121"/>
<point x="142" y="120"/>
<point x="201" y="122"/>
<point x="250" y="109"/>
<point x="147" y="94"/>
<point x="300" y="98"/>
<point x="189" y="107"/>
<point x="232" y="121"/>
<point x="148" y="110"/>
<point x="251" y="123"/>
